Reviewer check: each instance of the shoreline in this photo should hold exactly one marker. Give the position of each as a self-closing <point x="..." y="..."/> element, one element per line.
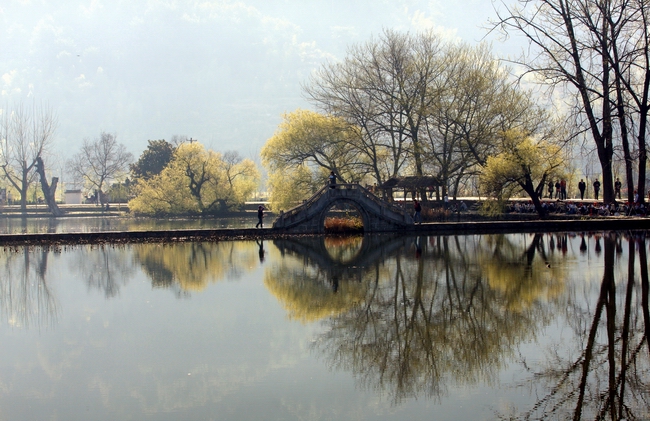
<point x="231" y="234"/>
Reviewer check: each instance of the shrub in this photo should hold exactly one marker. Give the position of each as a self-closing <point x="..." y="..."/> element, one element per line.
<point x="344" y="224"/>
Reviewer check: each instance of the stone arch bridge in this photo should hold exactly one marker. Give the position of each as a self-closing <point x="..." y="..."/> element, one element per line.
<point x="378" y="215"/>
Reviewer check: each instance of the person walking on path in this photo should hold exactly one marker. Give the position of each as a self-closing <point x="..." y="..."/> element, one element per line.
<point x="332" y="179"/>
<point x="260" y="216"/>
<point x="596" y="188"/>
<point x="417" y="208"/>
<point x="582" y="186"/>
<point x="617" y="188"/>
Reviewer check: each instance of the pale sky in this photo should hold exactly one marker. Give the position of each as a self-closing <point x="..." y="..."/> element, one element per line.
<point x="220" y="71"/>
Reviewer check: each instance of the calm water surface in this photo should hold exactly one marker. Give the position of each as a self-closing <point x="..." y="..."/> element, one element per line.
<point x="521" y="326"/>
<point x="114" y="223"/>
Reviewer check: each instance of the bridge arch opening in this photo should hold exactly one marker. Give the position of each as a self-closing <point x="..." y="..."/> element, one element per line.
<point x="343" y="249"/>
<point x="343" y="217"/>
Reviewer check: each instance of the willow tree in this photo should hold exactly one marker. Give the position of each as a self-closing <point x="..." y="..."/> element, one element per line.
<point x="196" y="181"/>
<point x="306" y="147"/>
<point x="524" y="164"/>
<point x="478" y="101"/>
<point x="384" y="87"/>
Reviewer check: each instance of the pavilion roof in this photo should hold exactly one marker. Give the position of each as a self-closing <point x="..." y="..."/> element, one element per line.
<point x="410" y="182"/>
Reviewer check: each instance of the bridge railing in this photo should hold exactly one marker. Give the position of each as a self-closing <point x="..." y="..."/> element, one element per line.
<point x="380" y="202"/>
<point x="306" y="204"/>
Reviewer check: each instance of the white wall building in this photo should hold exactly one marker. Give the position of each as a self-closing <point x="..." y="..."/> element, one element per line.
<point x="72" y="197"/>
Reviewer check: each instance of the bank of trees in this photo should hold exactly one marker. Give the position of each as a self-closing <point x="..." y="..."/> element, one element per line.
<point x="180" y="176"/>
<point x="597" y="55"/>
<point x="402" y="104"/>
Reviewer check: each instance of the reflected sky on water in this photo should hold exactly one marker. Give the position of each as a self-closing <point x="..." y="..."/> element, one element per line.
<point x="114" y="223"/>
<point x="516" y="326"/>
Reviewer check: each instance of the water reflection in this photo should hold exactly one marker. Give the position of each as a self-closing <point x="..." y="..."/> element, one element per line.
<point x="26" y="298"/>
<point x="602" y="372"/>
<point x="193" y="266"/>
<point x="406" y="317"/>
<point x="413" y="316"/>
<point x="31" y="225"/>
<point x="322" y="277"/>
<point x="104" y="268"/>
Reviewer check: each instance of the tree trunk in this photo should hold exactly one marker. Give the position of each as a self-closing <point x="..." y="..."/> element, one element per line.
<point x="48" y="190"/>
<point x="529" y="188"/>
<point x="24" y="187"/>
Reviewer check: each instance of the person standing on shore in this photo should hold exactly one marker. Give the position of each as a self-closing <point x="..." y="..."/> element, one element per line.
<point x="582" y="186"/>
<point x="617" y="188"/>
<point x="260" y="216"/>
<point x="596" y="188"/>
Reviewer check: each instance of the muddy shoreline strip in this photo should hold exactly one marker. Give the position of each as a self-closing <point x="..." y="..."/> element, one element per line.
<point x="441" y="228"/>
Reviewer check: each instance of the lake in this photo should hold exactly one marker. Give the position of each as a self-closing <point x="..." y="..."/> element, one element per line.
<point x="480" y="327"/>
<point x="114" y="223"/>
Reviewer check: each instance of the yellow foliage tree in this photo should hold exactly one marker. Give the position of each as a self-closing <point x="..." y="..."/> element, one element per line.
<point x="289" y="187"/>
<point x="196" y="180"/>
<point x="303" y="151"/>
<point x="523" y="164"/>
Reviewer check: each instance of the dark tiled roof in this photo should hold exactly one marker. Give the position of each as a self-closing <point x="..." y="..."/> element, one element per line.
<point x="411" y="182"/>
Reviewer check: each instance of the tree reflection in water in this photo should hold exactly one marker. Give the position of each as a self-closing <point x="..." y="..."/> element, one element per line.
<point x="194" y="265"/>
<point x="105" y="268"/>
<point x="414" y="316"/>
<point x="26" y="299"/>
<point x="603" y="372"/>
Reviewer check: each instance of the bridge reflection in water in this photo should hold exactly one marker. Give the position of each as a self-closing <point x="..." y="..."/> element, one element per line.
<point x="343" y="258"/>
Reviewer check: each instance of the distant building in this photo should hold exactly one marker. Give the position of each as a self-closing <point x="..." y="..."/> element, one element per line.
<point x="72" y="197"/>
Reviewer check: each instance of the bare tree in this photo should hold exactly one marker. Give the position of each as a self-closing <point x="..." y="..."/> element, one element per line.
<point x="384" y="87"/>
<point x="25" y="134"/>
<point x="100" y="162"/>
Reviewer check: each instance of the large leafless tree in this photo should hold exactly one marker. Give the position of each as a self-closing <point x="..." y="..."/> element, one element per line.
<point x="25" y="134"/>
<point x="99" y="162"/>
